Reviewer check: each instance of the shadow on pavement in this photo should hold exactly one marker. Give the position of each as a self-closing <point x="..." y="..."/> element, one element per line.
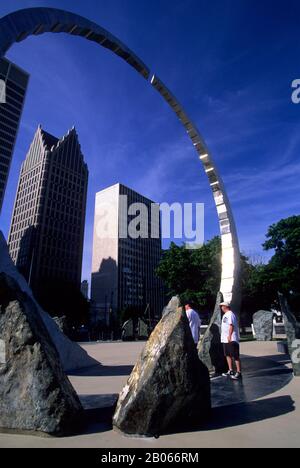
<point x="98" y="420"/>
<point x="248" y="412"/>
<point x="100" y="370"/>
<point x="234" y="403"/>
<point x="98" y="411"/>
<point x="225" y="417"/>
<point x="261" y="377"/>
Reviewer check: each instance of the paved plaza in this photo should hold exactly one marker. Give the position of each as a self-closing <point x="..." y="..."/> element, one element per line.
<point x="262" y="411"/>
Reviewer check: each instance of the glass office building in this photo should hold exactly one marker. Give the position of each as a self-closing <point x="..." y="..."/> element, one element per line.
<point x="14" y="82"/>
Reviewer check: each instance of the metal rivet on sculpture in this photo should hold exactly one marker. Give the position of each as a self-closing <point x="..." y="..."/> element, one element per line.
<point x="16" y="26"/>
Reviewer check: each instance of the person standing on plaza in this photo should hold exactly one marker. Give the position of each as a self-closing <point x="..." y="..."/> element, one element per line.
<point x="194" y="322"/>
<point x="230" y="338"/>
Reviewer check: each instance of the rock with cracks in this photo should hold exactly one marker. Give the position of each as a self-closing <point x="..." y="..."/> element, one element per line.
<point x="169" y="388"/>
<point x="292" y="329"/>
<point x="263" y="325"/>
<point x="35" y="394"/>
<point x="71" y="354"/>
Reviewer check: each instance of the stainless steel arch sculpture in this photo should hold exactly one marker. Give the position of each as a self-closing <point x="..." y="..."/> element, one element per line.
<point x="18" y="25"/>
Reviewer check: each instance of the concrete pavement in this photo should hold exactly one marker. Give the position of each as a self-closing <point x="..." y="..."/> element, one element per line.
<point x="263" y="411"/>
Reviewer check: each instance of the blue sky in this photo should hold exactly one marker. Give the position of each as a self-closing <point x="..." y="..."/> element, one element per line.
<point x="230" y="63"/>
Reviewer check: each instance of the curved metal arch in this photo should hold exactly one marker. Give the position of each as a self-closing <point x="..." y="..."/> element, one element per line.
<point x="20" y="24"/>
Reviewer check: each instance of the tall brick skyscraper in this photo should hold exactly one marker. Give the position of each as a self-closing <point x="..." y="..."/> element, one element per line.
<point x="47" y="227"/>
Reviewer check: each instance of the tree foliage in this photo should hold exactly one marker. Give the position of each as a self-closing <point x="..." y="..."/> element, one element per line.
<point x="195" y="274"/>
<point x="284" y="267"/>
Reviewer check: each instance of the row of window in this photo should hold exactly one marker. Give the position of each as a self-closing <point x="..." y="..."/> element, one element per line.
<point x="4" y="165"/>
<point x="23" y="204"/>
<point x="5" y="154"/>
<point x="77" y="178"/>
<point x="27" y="183"/>
<point x="23" y="211"/>
<point x="8" y="125"/>
<point x="5" y="142"/>
<point x="53" y="238"/>
<point x="7" y="132"/>
<point x="11" y="85"/>
<point x="11" y="93"/>
<point x="10" y="101"/>
<point x="10" y="114"/>
<point x="21" y="222"/>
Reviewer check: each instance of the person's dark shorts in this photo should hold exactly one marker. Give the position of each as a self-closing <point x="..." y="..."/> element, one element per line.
<point x="232" y="349"/>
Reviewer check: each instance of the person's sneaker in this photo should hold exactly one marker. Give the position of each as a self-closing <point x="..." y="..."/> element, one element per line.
<point x="230" y="373"/>
<point x="236" y="376"/>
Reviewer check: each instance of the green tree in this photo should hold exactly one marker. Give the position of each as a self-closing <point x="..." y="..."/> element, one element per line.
<point x="283" y="271"/>
<point x="256" y="293"/>
<point x="262" y="282"/>
<point x="193" y="274"/>
<point x="284" y="267"/>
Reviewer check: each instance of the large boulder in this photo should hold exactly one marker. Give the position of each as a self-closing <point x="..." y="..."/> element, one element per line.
<point x="143" y="331"/>
<point x="35" y="394"/>
<point x="71" y="354"/>
<point x="169" y="387"/>
<point x="128" y="332"/>
<point x="292" y="329"/>
<point x="263" y="325"/>
<point x="210" y="348"/>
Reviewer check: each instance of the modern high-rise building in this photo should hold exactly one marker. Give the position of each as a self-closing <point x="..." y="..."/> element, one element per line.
<point x="14" y="83"/>
<point x="123" y="266"/>
<point x="47" y="228"/>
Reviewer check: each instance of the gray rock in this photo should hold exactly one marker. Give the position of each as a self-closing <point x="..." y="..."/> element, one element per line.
<point x="173" y="304"/>
<point x="35" y="394"/>
<point x="210" y="348"/>
<point x="292" y="329"/>
<point x="128" y="333"/>
<point x="169" y="387"/>
<point x="142" y="329"/>
<point x="263" y="325"/>
<point x="71" y="354"/>
<point x="62" y="324"/>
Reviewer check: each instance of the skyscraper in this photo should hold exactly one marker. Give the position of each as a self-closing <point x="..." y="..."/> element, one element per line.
<point x="123" y="268"/>
<point x="15" y="82"/>
<point x="46" y="233"/>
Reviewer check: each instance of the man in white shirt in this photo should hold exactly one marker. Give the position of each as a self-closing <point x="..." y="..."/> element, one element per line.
<point x="230" y="338"/>
<point x="194" y="322"/>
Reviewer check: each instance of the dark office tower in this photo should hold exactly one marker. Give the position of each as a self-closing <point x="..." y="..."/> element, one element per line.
<point x="47" y="227"/>
<point x="13" y="85"/>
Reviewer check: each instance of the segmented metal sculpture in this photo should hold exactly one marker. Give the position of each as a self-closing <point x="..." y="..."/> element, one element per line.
<point x="20" y="24"/>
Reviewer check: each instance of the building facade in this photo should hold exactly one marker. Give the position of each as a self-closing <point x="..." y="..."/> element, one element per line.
<point x="85" y="289"/>
<point x="123" y="267"/>
<point x="47" y="228"/>
<point x="15" y="82"/>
